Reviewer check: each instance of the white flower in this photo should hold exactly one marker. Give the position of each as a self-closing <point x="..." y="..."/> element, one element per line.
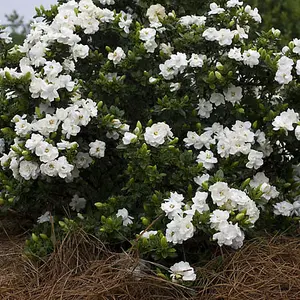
<point x="242" y="32"/>
<point x="229" y="235"/>
<point x="220" y="193"/>
<point x="147" y="34"/>
<point x="125" y="22"/>
<point x="204" y="108"/>
<point x="22" y="128"/>
<point x="182" y="271"/>
<point x="150" y="46"/>
<point x="64" y="169"/>
<point x="296" y="205"/>
<point x="97" y="149"/>
<point x="298" y="67"/>
<point x="175" y="86"/>
<point x="217" y="99"/>
<point x="225" y="37"/>
<point x="5" y="35"/>
<point x="2" y="145"/>
<point x="63" y="145"/>
<point x="286" y="120"/>
<point x="107" y="2"/>
<point x="296" y="48"/>
<point x="123" y="213"/>
<point x="155" y="13"/>
<point x="297" y="132"/>
<point x="157" y="134"/>
<point x="147" y="234"/>
<point x="215" y="9"/>
<point x="128" y="138"/>
<point x="46" y="152"/>
<point x="166" y="48"/>
<point x="117" y="56"/>
<point x="283" y="208"/>
<point x="80" y="51"/>
<point x="77" y="203"/>
<point x="251" y="58"/>
<point x="29" y="170"/>
<point x="258" y="179"/>
<point x="233" y="3"/>
<point x="235" y="53"/>
<point x="173" y="205"/>
<point x="180" y="229"/>
<point x="44" y="218"/>
<point x="283" y="74"/>
<point x="82" y="160"/>
<point x="52" y="69"/>
<point x="269" y="191"/>
<point x="69" y="128"/>
<point x="233" y="94"/>
<point x="46" y="125"/>
<point x="196" y="60"/>
<point x="211" y="34"/>
<point x="201" y="179"/>
<point x="218" y="217"/>
<point x="50" y="168"/>
<point x="255" y="159"/>
<point x="207" y="159"/>
<point x="253" y="13"/>
<point x="193" y="139"/>
<point x="199" y="203"/>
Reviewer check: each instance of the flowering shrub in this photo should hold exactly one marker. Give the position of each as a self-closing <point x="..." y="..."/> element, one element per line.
<point x="161" y="129"/>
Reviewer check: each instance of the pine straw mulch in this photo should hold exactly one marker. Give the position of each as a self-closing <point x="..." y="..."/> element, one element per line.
<point x="82" y="268"/>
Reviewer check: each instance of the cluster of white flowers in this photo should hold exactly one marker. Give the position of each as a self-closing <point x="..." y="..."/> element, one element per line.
<point x="223" y="36"/>
<point x="248" y="57"/>
<point x="229" y="142"/>
<point x="285" y="64"/>
<point x="284" y="72"/>
<point x="173" y="66"/>
<point x="261" y="181"/>
<point x="147" y="35"/>
<point x="287" y="209"/>
<point x="192" y="20"/>
<point x="228" y="200"/>
<point x="286" y="121"/>
<point x="232" y="94"/>
<point x="37" y="133"/>
<point x="181" y="227"/>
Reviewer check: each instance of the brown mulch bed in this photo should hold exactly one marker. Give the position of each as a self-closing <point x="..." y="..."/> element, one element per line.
<point x="81" y="268"/>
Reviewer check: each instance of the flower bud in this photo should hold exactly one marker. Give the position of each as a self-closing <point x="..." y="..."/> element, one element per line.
<point x="291" y="45"/>
<point x="218" y="75"/>
<point x="99" y="205"/>
<point x="240" y="216"/>
<point x="145" y="221"/>
<point x="34" y="237"/>
<point x="43" y="236"/>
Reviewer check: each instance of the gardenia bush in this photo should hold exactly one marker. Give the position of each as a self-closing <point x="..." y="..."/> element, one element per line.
<point x="162" y="128"/>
